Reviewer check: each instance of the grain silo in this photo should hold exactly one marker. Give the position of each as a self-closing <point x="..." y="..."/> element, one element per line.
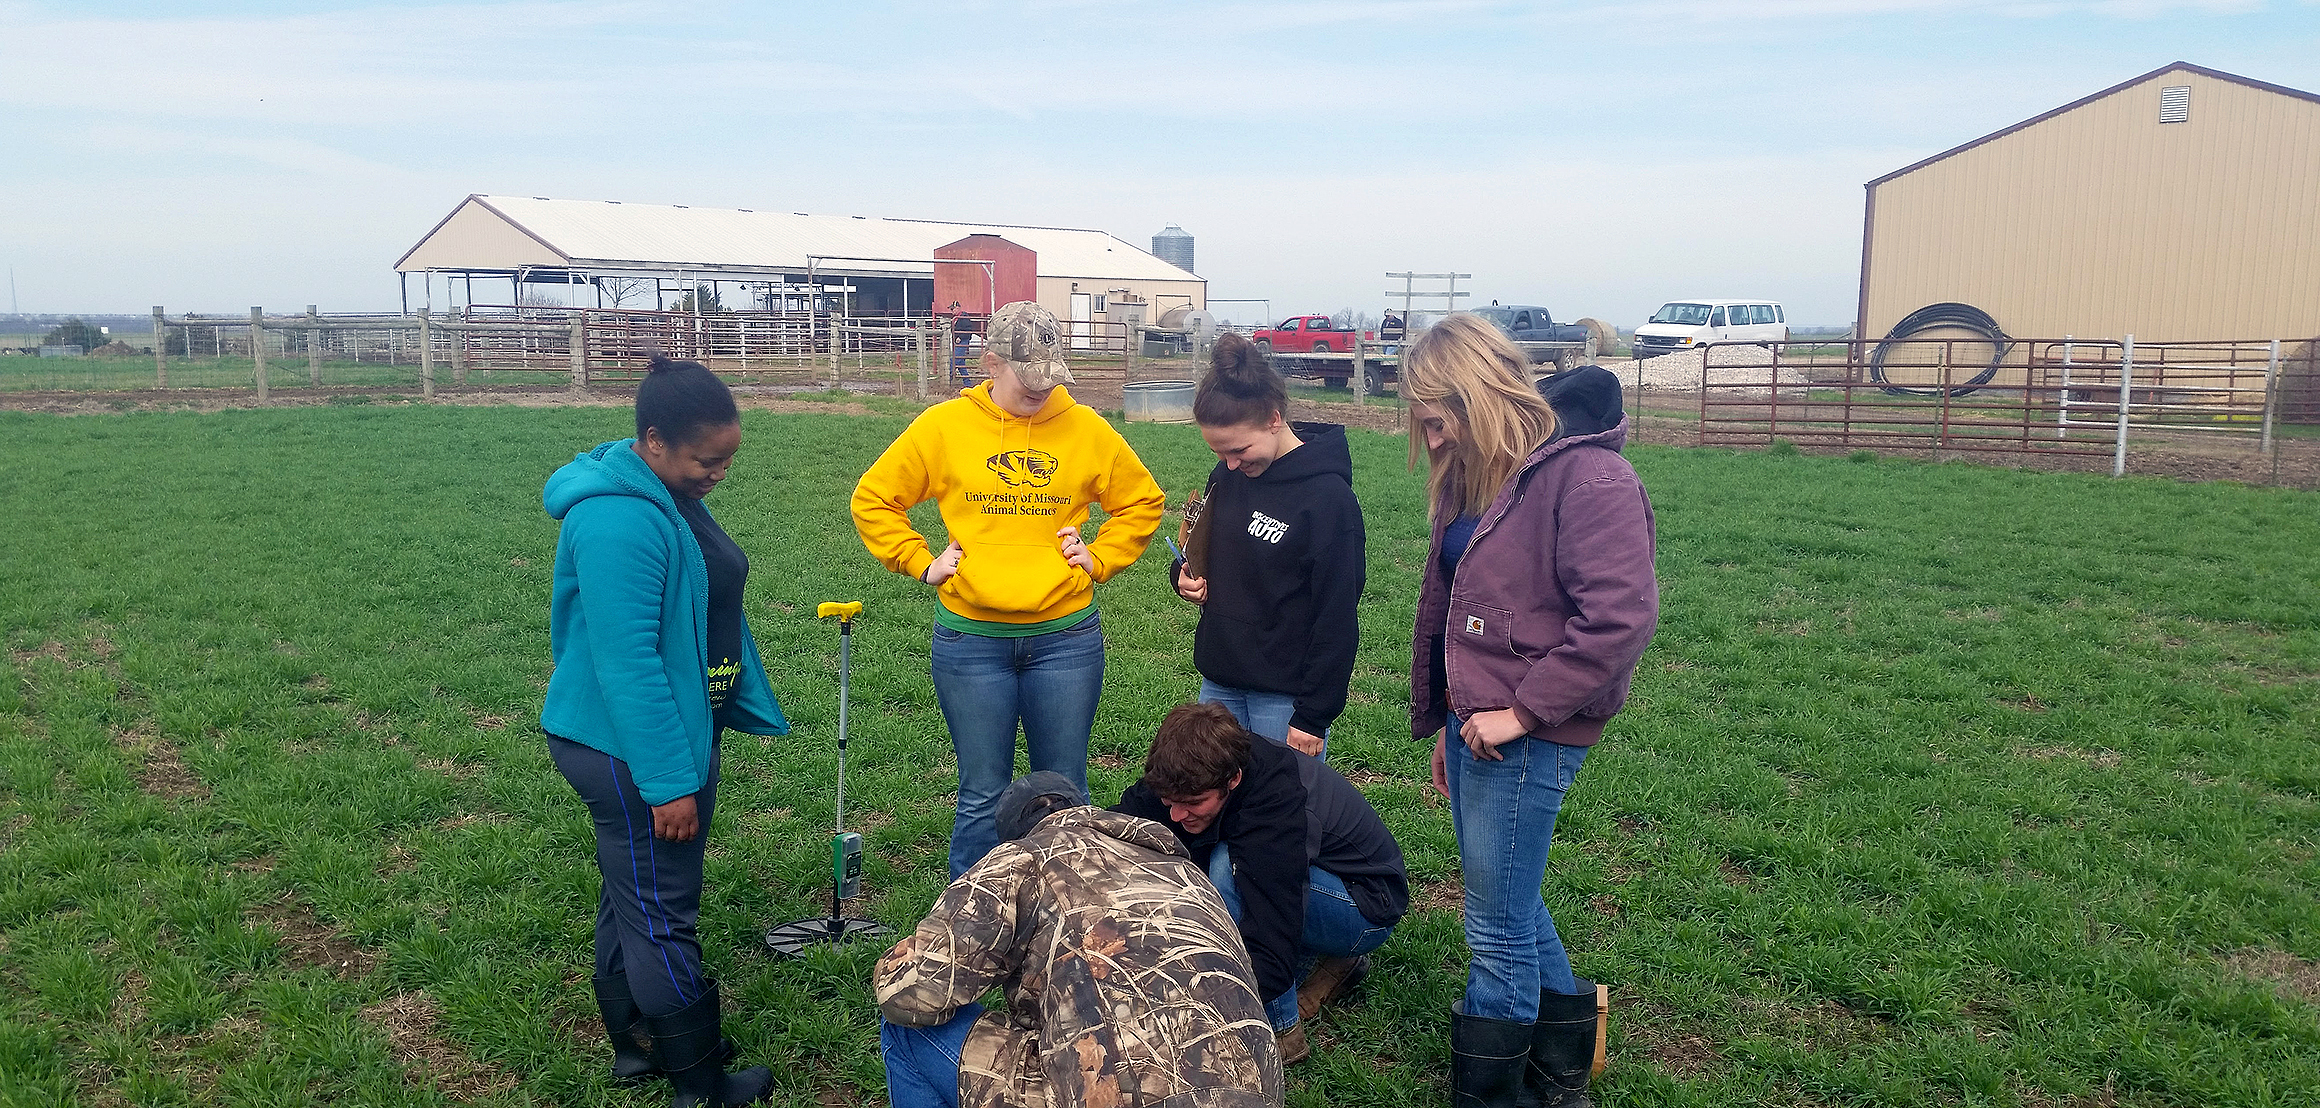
<point x="1174" y="247"/>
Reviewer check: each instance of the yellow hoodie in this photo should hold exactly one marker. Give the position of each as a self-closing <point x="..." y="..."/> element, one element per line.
<point x="1006" y="485"/>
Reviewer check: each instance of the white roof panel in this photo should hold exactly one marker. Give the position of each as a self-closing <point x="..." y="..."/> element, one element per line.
<point x="609" y="234"/>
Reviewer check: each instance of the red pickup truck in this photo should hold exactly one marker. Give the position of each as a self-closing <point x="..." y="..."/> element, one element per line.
<point x="1300" y="334"/>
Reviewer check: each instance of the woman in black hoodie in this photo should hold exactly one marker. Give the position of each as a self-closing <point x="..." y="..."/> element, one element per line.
<point x="1285" y="560"/>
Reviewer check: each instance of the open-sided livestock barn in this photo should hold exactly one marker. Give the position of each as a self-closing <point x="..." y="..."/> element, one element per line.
<point x="613" y="254"/>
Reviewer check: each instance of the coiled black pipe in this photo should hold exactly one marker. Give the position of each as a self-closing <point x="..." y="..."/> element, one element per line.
<point x="1961" y="316"/>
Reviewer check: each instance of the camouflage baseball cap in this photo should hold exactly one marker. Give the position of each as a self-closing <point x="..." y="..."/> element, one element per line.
<point x="1027" y="338"/>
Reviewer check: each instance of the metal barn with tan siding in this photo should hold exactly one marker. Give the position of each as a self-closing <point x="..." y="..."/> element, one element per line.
<point x="2181" y="205"/>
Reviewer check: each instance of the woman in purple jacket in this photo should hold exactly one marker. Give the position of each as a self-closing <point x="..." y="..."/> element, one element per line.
<point x="1539" y="598"/>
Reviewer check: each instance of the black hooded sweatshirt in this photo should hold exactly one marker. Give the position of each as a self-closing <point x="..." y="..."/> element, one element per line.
<point x="1290" y="812"/>
<point x="1586" y="400"/>
<point x="1285" y="570"/>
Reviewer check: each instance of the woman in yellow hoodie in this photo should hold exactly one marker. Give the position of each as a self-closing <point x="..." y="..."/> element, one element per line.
<point x="1013" y="463"/>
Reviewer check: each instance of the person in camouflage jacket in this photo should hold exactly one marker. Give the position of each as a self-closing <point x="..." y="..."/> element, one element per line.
<point x="1127" y="985"/>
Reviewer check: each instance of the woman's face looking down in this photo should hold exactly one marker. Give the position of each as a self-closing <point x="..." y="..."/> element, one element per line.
<point x="1437" y="425"/>
<point x="691" y="468"/>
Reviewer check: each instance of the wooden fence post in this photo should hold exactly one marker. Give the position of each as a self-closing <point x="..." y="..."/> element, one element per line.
<point x="920" y="336"/>
<point x="943" y="340"/>
<point x="258" y="347"/>
<point x="314" y="347"/>
<point x="579" y="351"/>
<point x="837" y="351"/>
<point x="459" y="353"/>
<point x="160" y="349"/>
<point x="1360" y="380"/>
<point x="426" y="355"/>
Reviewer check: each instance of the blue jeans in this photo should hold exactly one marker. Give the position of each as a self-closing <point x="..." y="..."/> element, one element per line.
<point x="1334" y="927"/>
<point x="922" y="1063"/>
<point x="1264" y="713"/>
<point x="1504" y="813"/>
<point x="986" y="685"/>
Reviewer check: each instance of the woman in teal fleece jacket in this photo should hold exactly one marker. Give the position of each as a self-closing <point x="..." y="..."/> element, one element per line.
<point x="654" y="660"/>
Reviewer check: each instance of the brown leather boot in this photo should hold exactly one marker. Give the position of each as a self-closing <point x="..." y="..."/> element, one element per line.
<point x="1331" y="978"/>
<point x="1293" y="1045"/>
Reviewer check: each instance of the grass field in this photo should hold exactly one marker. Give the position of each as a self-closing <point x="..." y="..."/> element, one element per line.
<point x="1942" y="785"/>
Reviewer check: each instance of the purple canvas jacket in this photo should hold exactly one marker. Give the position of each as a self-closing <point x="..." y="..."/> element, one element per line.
<point x="1553" y="602"/>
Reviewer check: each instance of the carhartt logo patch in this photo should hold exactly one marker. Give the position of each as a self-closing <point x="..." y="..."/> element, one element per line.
<point x="1473" y="625"/>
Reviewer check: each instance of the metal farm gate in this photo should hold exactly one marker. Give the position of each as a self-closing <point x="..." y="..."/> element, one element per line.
<point x="2054" y="397"/>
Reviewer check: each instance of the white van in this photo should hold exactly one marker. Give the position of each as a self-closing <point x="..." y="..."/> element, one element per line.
<point x="1683" y="324"/>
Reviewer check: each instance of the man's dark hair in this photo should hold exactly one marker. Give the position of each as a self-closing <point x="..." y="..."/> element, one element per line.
<point x="682" y="399"/>
<point x="1240" y="386"/>
<point x="1198" y="747"/>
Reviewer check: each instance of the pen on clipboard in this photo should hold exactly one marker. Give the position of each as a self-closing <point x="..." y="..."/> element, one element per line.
<point x="1173" y="548"/>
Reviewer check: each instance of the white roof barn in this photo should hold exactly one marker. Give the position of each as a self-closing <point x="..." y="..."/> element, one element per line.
<point x="529" y="239"/>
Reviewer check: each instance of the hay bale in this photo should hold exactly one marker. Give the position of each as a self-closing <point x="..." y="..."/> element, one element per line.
<point x="1602" y="337"/>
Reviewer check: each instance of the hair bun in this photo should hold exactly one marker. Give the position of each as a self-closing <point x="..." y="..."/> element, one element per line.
<point x="660" y="363"/>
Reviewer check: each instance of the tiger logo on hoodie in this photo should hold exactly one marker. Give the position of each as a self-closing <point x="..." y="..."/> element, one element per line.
<point x="1024" y="468"/>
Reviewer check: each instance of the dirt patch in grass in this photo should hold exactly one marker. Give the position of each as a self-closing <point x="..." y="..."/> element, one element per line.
<point x="1823" y="1022"/>
<point x="457" y="771"/>
<point x="839" y="1095"/>
<point x="1448" y="895"/>
<point x="414" y="1025"/>
<point x="2104" y="758"/>
<point x="54" y="651"/>
<point x="160" y="771"/>
<point x="2299" y="977"/>
<point x="1670" y="1045"/>
<point x="307" y="941"/>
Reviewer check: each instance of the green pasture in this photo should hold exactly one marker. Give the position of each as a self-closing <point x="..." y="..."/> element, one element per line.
<point x="1942" y="785"/>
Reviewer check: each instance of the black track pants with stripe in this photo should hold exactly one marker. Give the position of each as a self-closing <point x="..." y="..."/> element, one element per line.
<point x="652" y="888"/>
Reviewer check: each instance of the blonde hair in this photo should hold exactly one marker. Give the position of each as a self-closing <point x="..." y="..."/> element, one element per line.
<point x="1477" y="379"/>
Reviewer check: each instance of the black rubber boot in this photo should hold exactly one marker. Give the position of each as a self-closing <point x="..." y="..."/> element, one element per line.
<point x="1487" y="1058"/>
<point x="632" y="1044"/>
<point x="1562" y="1047"/>
<point x="688" y="1045"/>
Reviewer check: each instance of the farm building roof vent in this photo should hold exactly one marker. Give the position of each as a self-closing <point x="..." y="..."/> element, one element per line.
<point x="2175" y="104"/>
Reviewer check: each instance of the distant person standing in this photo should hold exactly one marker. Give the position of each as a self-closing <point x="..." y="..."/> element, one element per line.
<point x="1391" y="328"/>
<point x="1539" y="597"/>
<point x="1285" y="558"/>
<point x="654" y="661"/>
<point x="1014" y="463"/>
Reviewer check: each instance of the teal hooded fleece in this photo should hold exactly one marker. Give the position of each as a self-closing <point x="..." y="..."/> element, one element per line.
<point x="628" y="624"/>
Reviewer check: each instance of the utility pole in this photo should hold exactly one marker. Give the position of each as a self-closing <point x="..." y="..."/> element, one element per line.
<point x="1410" y="293"/>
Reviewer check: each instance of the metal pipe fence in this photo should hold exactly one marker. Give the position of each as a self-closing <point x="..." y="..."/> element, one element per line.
<point x="2068" y="396"/>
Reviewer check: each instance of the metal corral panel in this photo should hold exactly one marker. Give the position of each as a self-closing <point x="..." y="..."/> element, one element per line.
<point x="489" y="232"/>
<point x="2097" y="219"/>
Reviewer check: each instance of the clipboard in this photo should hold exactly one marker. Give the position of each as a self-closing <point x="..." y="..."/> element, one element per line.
<point x="1192" y="530"/>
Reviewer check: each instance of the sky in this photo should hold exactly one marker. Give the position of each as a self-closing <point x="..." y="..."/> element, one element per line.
<point x="1597" y="158"/>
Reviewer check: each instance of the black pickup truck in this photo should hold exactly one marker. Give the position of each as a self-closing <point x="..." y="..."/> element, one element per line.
<point x="1531" y="323"/>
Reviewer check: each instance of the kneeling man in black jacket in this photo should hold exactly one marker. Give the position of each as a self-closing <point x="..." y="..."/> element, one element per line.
<point x="1305" y="865"/>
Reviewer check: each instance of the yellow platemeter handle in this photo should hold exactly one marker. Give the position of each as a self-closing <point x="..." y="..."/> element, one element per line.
<point x="844" y="610"/>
